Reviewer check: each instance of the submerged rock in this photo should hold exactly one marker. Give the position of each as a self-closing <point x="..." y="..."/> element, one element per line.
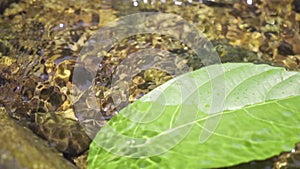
<point x="64" y="134"/>
<point x="296" y="5"/>
<point x="288" y="160"/>
<point x="5" y="3"/>
<point x="20" y="148"/>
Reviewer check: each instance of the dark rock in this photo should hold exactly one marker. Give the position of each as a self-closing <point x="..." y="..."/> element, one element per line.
<point x="285" y="49"/>
<point x="4" y="50"/>
<point x="217" y="3"/>
<point x="229" y="53"/>
<point x="288" y="161"/>
<point x="296" y="5"/>
<point x="5" y="3"/>
<point x="2" y="81"/>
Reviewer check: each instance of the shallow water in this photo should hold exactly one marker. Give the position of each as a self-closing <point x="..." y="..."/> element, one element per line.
<point x="41" y="40"/>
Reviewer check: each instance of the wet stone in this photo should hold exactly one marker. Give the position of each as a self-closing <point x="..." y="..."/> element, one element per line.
<point x="218" y="3"/>
<point x="5" y="3"/>
<point x="288" y="161"/>
<point x="64" y="134"/>
<point x="285" y="49"/>
<point x="296" y="5"/>
<point x="34" y="154"/>
<point x="2" y="81"/>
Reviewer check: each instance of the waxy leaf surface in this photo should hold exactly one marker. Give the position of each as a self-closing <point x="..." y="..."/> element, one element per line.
<point x="217" y="116"/>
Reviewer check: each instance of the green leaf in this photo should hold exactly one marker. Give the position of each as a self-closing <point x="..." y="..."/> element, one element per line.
<point x="216" y="116"/>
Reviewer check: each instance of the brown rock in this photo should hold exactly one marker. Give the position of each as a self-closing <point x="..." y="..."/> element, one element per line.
<point x="20" y="148"/>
